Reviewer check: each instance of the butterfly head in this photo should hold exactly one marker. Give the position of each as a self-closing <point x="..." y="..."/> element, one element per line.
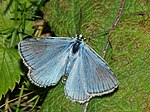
<point x="80" y="37"/>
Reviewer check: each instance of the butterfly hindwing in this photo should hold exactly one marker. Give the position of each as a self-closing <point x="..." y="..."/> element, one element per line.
<point x="90" y="76"/>
<point x="46" y="59"/>
<point x="74" y="87"/>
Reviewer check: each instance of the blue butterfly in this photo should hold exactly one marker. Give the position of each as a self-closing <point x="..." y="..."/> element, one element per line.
<point x="48" y="59"/>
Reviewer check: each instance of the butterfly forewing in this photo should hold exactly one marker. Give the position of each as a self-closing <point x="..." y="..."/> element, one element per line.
<point x="37" y="52"/>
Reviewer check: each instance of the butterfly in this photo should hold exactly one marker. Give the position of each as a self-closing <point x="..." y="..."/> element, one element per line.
<point x="49" y="59"/>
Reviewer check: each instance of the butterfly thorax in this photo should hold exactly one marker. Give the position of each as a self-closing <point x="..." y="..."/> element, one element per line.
<point x="76" y="45"/>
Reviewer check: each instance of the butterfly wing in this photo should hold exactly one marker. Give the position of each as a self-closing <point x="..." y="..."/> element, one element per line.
<point x="89" y="77"/>
<point x="46" y="59"/>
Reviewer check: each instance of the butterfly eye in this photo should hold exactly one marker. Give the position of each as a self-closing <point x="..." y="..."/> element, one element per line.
<point x="80" y="35"/>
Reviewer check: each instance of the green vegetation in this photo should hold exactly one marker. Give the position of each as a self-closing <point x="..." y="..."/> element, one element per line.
<point x="128" y="55"/>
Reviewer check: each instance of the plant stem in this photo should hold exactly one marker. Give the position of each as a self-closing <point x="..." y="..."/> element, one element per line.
<point x="113" y="27"/>
<point x="20" y="96"/>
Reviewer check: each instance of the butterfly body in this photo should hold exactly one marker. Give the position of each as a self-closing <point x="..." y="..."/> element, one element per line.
<point x="75" y="47"/>
<point x="48" y="59"/>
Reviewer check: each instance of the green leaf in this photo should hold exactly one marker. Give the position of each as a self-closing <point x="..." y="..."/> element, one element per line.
<point x="94" y="16"/>
<point x="131" y="63"/>
<point x="131" y="51"/>
<point x="9" y="68"/>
